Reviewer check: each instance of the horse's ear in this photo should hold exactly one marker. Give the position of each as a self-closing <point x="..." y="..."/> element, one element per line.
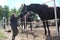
<point x="45" y="5"/>
<point x="23" y="5"/>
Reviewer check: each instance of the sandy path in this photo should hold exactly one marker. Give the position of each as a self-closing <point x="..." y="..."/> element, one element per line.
<point x="36" y="34"/>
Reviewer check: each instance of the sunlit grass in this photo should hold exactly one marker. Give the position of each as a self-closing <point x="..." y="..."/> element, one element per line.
<point x="2" y="36"/>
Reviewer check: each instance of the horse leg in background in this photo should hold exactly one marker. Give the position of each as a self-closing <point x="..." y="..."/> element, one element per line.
<point x="22" y="25"/>
<point x="44" y="27"/>
<point x="58" y="25"/>
<point x="25" y="26"/>
<point x="48" y="28"/>
<point x="31" y="26"/>
<point x="7" y="22"/>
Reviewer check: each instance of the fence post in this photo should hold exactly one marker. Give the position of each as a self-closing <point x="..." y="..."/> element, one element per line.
<point x="55" y="17"/>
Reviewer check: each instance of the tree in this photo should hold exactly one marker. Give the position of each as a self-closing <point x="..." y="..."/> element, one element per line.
<point x="20" y="9"/>
<point x="13" y="10"/>
<point x="1" y="9"/>
<point x="34" y="16"/>
<point x="6" y="13"/>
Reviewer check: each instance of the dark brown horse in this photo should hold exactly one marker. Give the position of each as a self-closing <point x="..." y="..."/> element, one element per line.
<point x="44" y="12"/>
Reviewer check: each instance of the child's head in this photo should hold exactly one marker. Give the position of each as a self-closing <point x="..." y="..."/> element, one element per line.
<point x="13" y="14"/>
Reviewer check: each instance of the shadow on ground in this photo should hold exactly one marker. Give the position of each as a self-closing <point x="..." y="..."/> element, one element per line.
<point x="53" y="38"/>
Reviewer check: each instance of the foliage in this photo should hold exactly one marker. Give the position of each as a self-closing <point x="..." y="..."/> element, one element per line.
<point x="13" y="10"/>
<point x="19" y="10"/>
<point x="4" y="11"/>
<point x="34" y="16"/>
<point x="1" y="9"/>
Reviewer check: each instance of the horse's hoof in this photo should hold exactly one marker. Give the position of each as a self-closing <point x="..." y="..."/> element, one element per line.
<point x="49" y="34"/>
<point x="45" y="34"/>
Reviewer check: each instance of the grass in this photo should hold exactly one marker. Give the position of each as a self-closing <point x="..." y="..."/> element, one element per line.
<point x="0" y="20"/>
<point x="2" y="36"/>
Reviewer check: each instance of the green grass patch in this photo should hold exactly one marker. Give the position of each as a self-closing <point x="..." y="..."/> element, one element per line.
<point x="2" y="35"/>
<point x="0" y="20"/>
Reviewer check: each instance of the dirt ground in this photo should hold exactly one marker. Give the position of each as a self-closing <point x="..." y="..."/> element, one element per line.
<point x="36" y="34"/>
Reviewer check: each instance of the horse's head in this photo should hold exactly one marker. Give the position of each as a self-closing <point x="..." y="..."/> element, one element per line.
<point x="24" y="10"/>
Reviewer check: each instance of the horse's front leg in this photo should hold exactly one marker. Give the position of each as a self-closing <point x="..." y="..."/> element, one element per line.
<point x="22" y="25"/>
<point x="25" y="26"/>
<point x="58" y="25"/>
<point x="44" y="28"/>
<point x="31" y="26"/>
<point x="48" y="28"/>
